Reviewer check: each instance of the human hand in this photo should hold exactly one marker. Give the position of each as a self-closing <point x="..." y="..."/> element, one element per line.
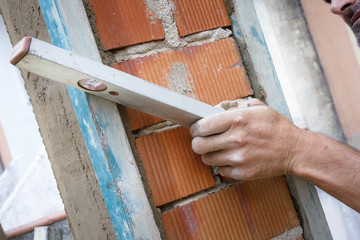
<point x="250" y="142"/>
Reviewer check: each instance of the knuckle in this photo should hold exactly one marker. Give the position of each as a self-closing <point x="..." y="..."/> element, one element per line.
<point x="238" y="116"/>
<point x="244" y="139"/>
<point x="238" y="120"/>
<point x="235" y="139"/>
<point x="236" y="159"/>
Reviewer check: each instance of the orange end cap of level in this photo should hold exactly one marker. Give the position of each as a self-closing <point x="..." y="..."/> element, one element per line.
<point x="20" y="50"/>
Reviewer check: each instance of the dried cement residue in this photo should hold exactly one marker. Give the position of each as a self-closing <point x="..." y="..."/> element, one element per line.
<point x="201" y="38"/>
<point x="199" y="195"/>
<point x="229" y="5"/>
<point x="164" y="11"/>
<point x="292" y="234"/>
<point x="140" y="50"/>
<point x="180" y="80"/>
<point x="237" y="103"/>
<point x="156" y="128"/>
<point x="150" y="48"/>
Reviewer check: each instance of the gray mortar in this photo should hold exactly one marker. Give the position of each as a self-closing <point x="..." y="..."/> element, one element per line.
<point x="180" y="80"/>
<point x="199" y="195"/>
<point x="150" y="48"/>
<point x="215" y="173"/>
<point x="229" y="5"/>
<point x="292" y="234"/>
<point x="201" y="38"/>
<point x="164" y="9"/>
<point x="156" y="128"/>
<point x="140" y="50"/>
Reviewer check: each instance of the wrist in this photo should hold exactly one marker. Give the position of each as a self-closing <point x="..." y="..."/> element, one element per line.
<point x="301" y="153"/>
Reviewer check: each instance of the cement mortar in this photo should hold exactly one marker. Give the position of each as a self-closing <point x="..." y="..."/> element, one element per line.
<point x="199" y="195"/>
<point x="201" y="38"/>
<point x="156" y="128"/>
<point x="292" y="234"/>
<point x="233" y="104"/>
<point x="156" y="47"/>
<point x="229" y="5"/>
<point x="164" y="10"/>
<point x="180" y="80"/>
<point x="140" y="50"/>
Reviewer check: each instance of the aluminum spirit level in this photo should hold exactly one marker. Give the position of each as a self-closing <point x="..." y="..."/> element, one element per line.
<point x="92" y="77"/>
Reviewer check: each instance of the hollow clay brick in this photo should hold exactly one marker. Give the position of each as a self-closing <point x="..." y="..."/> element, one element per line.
<point x="173" y="170"/>
<point x="259" y="209"/>
<point x="193" y="16"/>
<point x="210" y="73"/>
<point x="125" y="22"/>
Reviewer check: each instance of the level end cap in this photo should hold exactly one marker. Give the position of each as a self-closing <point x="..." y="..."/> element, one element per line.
<point x="20" y="50"/>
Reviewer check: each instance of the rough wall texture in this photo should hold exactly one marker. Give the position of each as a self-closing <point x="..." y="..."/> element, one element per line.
<point x="60" y="131"/>
<point x="192" y="206"/>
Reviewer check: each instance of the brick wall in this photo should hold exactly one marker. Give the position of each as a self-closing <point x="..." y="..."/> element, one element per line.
<point x="186" y="46"/>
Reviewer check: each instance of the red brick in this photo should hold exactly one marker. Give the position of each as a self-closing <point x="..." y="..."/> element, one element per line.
<point x="212" y="73"/>
<point x="125" y="22"/>
<point x="259" y="209"/>
<point x="173" y="170"/>
<point x="193" y="16"/>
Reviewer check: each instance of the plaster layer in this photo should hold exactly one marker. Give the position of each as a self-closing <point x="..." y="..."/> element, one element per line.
<point x="60" y="132"/>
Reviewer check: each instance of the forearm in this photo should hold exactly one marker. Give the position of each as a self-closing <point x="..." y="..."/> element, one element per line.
<point x="330" y="165"/>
